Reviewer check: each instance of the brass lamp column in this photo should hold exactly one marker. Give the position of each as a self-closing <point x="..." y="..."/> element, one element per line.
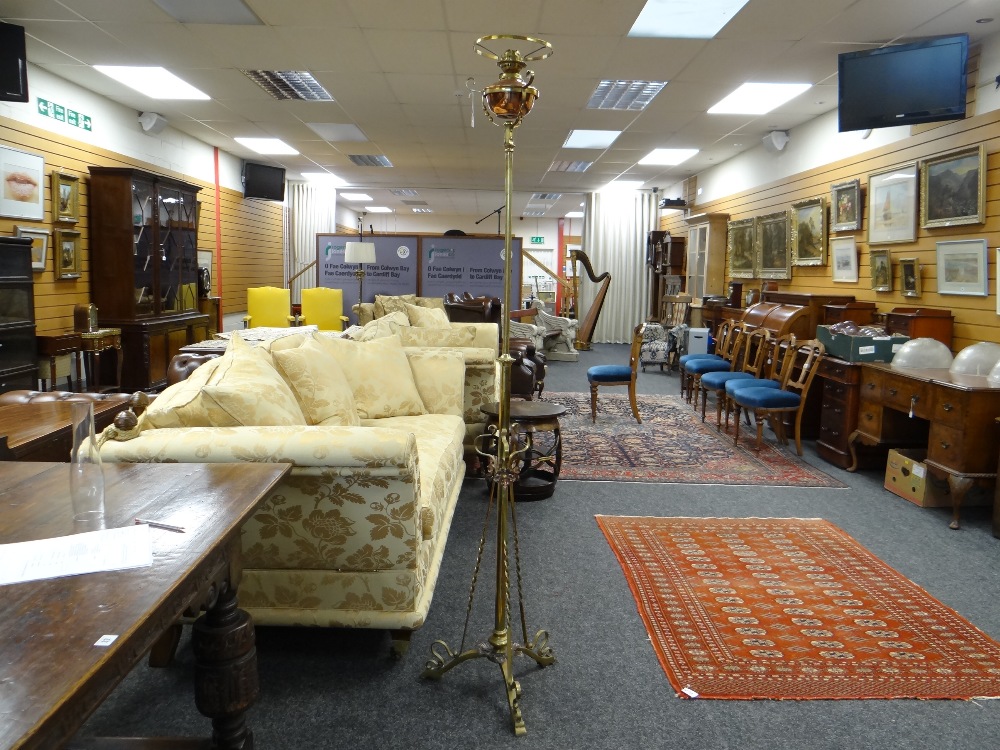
<point x="507" y="101"/>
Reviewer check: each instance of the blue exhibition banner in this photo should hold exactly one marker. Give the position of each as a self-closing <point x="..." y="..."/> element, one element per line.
<point x="393" y="272"/>
<point x="468" y="264"/>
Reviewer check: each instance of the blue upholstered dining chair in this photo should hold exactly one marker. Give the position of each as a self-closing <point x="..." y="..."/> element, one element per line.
<point x="774" y="403"/>
<point x="776" y="371"/>
<point x="609" y="375"/>
<point x="723" y="345"/>
<point x="748" y="364"/>
<point x="731" y="353"/>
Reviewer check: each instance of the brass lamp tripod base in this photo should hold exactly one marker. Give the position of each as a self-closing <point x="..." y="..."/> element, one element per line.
<point x="509" y="100"/>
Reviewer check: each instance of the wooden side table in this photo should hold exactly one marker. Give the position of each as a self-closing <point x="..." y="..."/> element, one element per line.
<point x="92" y="344"/>
<point x="542" y="459"/>
<point x="58" y="345"/>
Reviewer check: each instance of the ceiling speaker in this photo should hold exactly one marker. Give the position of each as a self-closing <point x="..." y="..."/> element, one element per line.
<point x="152" y="122"/>
<point x="776" y="140"/>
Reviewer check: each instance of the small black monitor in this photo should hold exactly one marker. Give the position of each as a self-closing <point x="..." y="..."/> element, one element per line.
<point x="263" y="181"/>
<point x="13" y="64"/>
<point x="904" y="84"/>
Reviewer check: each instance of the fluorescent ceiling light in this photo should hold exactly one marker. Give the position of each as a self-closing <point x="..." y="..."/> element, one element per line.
<point x="688" y="19"/>
<point x="231" y="12"/>
<point x="154" y="82"/>
<point x="266" y="145"/>
<point x="337" y="132"/>
<point x="668" y="156"/>
<point x="622" y="185"/>
<point x="422" y="210"/>
<point x="327" y="178"/>
<point x="758" y="98"/>
<point x="624" y="95"/>
<point x="591" y="138"/>
<point x="355" y="196"/>
<point x="378" y="209"/>
<point x="574" y="214"/>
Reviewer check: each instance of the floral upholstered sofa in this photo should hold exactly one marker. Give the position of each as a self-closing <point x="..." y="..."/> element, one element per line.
<point x="353" y="536"/>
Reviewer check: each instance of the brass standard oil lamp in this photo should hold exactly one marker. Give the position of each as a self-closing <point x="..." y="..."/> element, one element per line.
<point x="506" y="102"/>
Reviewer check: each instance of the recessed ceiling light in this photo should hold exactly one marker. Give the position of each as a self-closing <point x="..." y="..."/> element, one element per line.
<point x="355" y="196"/>
<point x="289" y="84"/>
<point x="688" y="19"/>
<point x="628" y="95"/>
<point x="668" y="156"/>
<point x="337" y="132"/>
<point x="546" y="196"/>
<point x="622" y="185"/>
<point x="403" y="192"/>
<point x="533" y="214"/>
<point x="154" y="82"/>
<point x="327" y="178"/>
<point x="570" y="166"/>
<point x="591" y="138"/>
<point x="266" y="145"/>
<point x="422" y="210"/>
<point x="574" y="214"/>
<point x="378" y="209"/>
<point x="369" y="160"/>
<point x="758" y="98"/>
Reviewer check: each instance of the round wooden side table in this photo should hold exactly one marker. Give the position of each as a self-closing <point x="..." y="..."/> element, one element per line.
<point x="535" y="427"/>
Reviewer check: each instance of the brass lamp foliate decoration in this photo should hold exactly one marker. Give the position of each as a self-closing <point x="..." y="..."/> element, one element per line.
<point x="506" y="102"/>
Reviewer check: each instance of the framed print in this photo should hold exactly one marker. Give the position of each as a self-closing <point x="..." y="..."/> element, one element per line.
<point x="909" y="277"/>
<point x="23" y="196"/>
<point x="844" y="259"/>
<point x="953" y="188"/>
<point x="771" y="244"/>
<point x="809" y="233"/>
<point x="961" y="268"/>
<point x="892" y="205"/>
<point x="741" y="252"/>
<point x="880" y="263"/>
<point x="39" y="244"/>
<point x="845" y="206"/>
<point x="66" y="253"/>
<point x="65" y="197"/>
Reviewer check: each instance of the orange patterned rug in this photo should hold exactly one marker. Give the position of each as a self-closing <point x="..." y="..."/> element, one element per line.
<point x="745" y="608"/>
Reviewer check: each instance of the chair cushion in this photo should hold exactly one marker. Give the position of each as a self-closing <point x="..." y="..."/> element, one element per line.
<point x="685" y="358"/>
<point x="609" y="373"/>
<point x="767" y="398"/>
<point x="701" y="366"/>
<point x="716" y="381"/>
<point x="733" y="386"/>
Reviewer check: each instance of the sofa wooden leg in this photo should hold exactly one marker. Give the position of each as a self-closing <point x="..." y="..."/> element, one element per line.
<point x="400" y="642"/>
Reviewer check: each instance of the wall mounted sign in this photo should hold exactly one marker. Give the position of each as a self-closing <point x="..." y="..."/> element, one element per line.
<point x="394" y="271"/>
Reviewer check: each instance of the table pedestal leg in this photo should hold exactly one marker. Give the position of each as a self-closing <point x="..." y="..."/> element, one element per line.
<point x="226" y="671"/>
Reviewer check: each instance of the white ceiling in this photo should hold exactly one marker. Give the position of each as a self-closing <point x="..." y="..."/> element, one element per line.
<point x="399" y="69"/>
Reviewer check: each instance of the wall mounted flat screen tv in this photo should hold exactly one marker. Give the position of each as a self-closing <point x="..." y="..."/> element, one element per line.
<point x="905" y="84"/>
<point x="263" y="181"/>
<point x="13" y="64"/>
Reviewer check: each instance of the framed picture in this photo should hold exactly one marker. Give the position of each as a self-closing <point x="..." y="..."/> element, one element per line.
<point x="909" y="277"/>
<point x="845" y="206"/>
<point x="953" y="188"/>
<point x="39" y="244"/>
<point x="809" y="233"/>
<point x="892" y="205"/>
<point x="23" y="196"/>
<point x="741" y="251"/>
<point x="771" y="244"/>
<point x="66" y="253"/>
<point x="880" y="263"/>
<point x="961" y="268"/>
<point x="65" y="197"/>
<point x="844" y="259"/>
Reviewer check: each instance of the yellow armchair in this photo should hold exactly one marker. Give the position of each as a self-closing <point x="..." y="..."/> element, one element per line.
<point x="268" y="306"/>
<point x="323" y="307"/>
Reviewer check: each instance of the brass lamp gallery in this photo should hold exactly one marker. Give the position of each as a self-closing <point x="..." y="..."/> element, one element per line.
<point x="506" y="103"/>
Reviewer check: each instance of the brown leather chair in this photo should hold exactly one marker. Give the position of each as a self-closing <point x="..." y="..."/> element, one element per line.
<point x="183" y="365"/>
<point x="527" y="372"/>
<point x="465" y="308"/>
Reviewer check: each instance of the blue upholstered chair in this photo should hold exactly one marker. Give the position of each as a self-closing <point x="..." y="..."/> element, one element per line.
<point x="748" y="365"/>
<point x="728" y="334"/>
<point x="777" y="369"/>
<point x="731" y="357"/>
<point x="608" y="375"/>
<point x="774" y="403"/>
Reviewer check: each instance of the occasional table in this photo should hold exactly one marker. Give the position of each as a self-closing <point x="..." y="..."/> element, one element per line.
<point x="53" y="671"/>
<point x="536" y="426"/>
<point x="40" y="431"/>
<point x="57" y="345"/>
<point x="92" y="344"/>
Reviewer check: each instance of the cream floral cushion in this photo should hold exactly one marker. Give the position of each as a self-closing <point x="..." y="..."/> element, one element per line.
<point x="385" y="304"/>
<point x="453" y="336"/>
<point x="388" y="325"/>
<point x="436" y="303"/>
<point x="168" y="409"/>
<point x="427" y="317"/>
<point x="319" y="383"/>
<point x="380" y="376"/>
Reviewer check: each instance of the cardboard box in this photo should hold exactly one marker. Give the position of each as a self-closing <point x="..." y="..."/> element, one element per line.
<point x="860" y="348"/>
<point x="906" y="475"/>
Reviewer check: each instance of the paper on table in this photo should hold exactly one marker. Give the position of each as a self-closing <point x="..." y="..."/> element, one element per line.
<point x="89" y="552"/>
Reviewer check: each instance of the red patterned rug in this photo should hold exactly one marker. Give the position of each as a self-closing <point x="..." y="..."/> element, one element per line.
<point x="671" y="445"/>
<point x="743" y="608"/>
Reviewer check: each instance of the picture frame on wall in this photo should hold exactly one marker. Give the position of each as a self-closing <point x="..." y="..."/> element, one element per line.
<point x="844" y="259"/>
<point x="66" y="253"/>
<point x="880" y="265"/>
<point x="39" y="245"/>
<point x="772" y="247"/>
<point x="845" y="206"/>
<point x="741" y="249"/>
<point x="892" y="205"/>
<point x="22" y="194"/>
<point x="909" y="277"/>
<point x="65" y="197"/>
<point x="953" y="188"/>
<point x="961" y="268"/>
<point x="808" y="227"/>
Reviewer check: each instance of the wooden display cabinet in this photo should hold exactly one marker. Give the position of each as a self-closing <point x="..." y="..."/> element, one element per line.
<point x="144" y="268"/>
<point x="917" y="322"/>
<point x="665" y="265"/>
<point x="18" y="359"/>
<point x="706" y="255"/>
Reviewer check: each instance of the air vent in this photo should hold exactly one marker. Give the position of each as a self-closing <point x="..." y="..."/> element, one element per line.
<point x="631" y="95"/>
<point x="546" y="196"/>
<point x="369" y="160"/>
<point x="570" y="166"/>
<point x="422" y="210"/>
<point x="289" y="84"/>
<point x="533" y="213"/>
<point x="403" y="192"/>
<point x="414" y="203"/>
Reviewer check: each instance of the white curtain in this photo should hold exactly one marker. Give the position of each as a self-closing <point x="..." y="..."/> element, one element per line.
<point x="310" y="210"/>
<point x="614" y="238"/>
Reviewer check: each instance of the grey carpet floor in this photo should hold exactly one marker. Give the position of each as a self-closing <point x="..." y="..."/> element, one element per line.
<point x="338" y="689"/>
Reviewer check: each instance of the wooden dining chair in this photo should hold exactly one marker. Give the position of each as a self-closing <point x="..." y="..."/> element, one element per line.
<point x="749" y="365"/>
<point x="609" y="375"/>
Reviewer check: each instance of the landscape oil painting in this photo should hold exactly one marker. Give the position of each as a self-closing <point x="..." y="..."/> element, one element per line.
<point x="953" y="188"/>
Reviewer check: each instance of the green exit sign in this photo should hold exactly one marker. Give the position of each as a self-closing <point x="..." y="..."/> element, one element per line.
<point x="537" y="240"/>
<point x="64" y="114"/>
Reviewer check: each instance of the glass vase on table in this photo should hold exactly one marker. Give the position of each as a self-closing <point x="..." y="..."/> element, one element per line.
<point x="86" y="477"/>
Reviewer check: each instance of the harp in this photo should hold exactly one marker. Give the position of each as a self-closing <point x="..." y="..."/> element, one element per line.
<point x="585" y="333"/>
